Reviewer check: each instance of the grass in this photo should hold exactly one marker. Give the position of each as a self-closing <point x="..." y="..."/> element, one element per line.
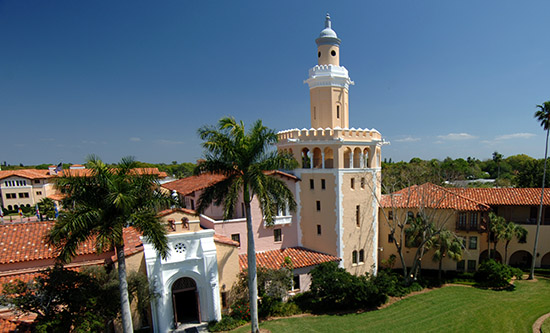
<point x="454" y="309"/>
<point x="545" y="328"/>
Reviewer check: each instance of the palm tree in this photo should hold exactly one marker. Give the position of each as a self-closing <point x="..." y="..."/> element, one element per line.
<point x="98" y="206"/>
<point x="510" y="231"/>
<point x="497" y="158"/>
<point x="543" y="116"/>
<point x="497" y="227"/>
<point x="244" y="158"/>
<point x="446" y="245"/>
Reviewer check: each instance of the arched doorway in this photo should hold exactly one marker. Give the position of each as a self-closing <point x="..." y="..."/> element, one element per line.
<point x="185" y="300"/>
<point x="520" y="259"/>
<point x="496" y="256"/>
<point x="545" y="262"/>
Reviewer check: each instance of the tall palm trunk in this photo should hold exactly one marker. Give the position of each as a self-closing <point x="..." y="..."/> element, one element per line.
<point x="532" y="273"/>
<point x="127" y="325"/>
<point x="252" y="275"/>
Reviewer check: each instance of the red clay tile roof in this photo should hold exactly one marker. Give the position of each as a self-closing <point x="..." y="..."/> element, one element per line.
<point x="505" y="196"/>
<point x="25" y="173"/>
<point x="188" y="185"/>
<point x="431" y="196"/>
<point x="191" y="184"/>
<point x="21" y="242"/>
<point x="137" y="171"/>
<point x="173" y="210"/>
<point x="225" y="240"/>
<point x="301" y="257"/>
<point x="7" y="325"/>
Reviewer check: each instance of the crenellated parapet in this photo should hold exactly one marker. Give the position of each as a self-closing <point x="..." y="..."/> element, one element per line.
<point x="328" y="76"/>
<point x="330" y="134"/>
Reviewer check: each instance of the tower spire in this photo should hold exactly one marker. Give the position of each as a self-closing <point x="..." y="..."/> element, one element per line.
<point x="327" y="21"/>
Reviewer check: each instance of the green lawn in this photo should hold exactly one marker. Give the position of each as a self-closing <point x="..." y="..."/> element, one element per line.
<point x="451" y="309"/>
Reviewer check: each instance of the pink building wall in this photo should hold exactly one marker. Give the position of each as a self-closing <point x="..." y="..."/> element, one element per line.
<point x="263" y="236"/>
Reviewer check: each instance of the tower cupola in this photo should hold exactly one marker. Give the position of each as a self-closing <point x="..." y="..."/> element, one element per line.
<point x="327" y="35"/>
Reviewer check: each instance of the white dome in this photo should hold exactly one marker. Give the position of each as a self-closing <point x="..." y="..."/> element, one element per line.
<point x="327" y="35"/>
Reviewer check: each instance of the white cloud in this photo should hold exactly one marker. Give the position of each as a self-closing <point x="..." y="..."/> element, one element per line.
<point x="407" y="139"/>
<point x="169" y="142"/>
<point x="457" y="136"/>
<point x="515" y="136"/>
<point x="135" y="139"/>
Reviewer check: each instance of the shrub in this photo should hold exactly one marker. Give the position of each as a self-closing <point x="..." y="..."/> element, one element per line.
<point x="285" y="309"/>
<point x="495" y="275"/>
<point x="334" y="289"/>
<point x="389" y="283"/>
<point x="240" y="310"/>
<point x="226" y="324"/>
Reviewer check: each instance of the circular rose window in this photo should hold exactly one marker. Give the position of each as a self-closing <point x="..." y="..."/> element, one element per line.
<point x="179" y="247"/>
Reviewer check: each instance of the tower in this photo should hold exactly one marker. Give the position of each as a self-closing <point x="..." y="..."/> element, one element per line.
<point x="339" y="167"/>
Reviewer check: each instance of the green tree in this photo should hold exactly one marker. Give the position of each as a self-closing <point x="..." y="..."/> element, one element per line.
<point x="543" y="116"/>
<point x="47" y="208"/>
<point x="497" y="158"/>
<point x="497" y="228"/>
<point x="446" y="244"/>
<point x="511" y="231"/>
<point x="244" y="158"/>
<point x="100" y="206"/>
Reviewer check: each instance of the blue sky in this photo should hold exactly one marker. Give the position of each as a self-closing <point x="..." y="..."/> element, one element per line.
<point x="118" y="78"/>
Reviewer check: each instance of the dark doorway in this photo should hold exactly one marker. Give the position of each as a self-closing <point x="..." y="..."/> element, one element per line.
<point x="185" y="298"/>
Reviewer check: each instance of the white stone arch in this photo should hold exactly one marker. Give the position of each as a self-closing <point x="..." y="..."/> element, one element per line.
<point x="203" y="288"/>
<point x="366" y="158"/>
<point x="305" y="158"/>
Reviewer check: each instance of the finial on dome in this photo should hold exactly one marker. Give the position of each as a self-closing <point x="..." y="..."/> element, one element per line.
<point x="328" y="36"/>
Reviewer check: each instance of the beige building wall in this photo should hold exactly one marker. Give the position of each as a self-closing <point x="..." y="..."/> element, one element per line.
<point x="329" y="107"/>
<point x="228" y="265"/>
<point x="30" y="194"/>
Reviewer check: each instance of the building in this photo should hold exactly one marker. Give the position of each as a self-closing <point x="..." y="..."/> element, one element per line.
<point x="27" y="187"/>
<point x="339" y="167"/>
<point x="465" y="212"/>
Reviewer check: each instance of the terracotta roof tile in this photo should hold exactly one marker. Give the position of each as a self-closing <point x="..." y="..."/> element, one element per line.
<point x="25" y="173"/>
<point x="432" y="196"/>
<point x="13" y="325"/>
<point x="173" y="210"/>
<point x="301" y="257"/>
<point x="506" y="196"/>
<point x="225" y="240"/>
<point x="20" y="242"/>
<point x="188" y="185"/>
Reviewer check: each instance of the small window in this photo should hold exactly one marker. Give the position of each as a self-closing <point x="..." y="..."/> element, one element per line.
<point x="354" y="257"/>
<point x="363" y="183"/>
<point x="243" y="210"/>
<point x="361" y="256"/>
<point x="333" y="53"/>
<point x="38" y="192"/>
<point x="338" y="111"/>
<point x="224" y="299"/>
<point x="314" y="113"/>
<point x="277" y="235"/>
<point x="357" y="216"/>
<point x="318" y="229"/>
<point x="352" y="183"/>
<point x="296" y="282"/>
<point x="23" y="195"/>
<point x="311" y="184"/>
<point x="471" y="265"/>
<point x="473" y="221"/>
<point x="323" y="184"/>
<point x="192" y="204"/>
<point x="472" y="245"/>
<point x="460" y="265"/>
<point x="236" y="238"/>
<point x="390" y="238"/>
<point x="390" y="215"/>
<point x="318" y="203"/>
<point x="319" y="54"/>
<point x="37" y="181"/>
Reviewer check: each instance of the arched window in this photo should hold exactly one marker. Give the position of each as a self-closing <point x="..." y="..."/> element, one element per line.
<point x="354" y="257"/>
<point x="329" y="158"/>
<point x="306" y="163"/>
<point x="366" y="157"/>
<point x="357" y="158"/>
<point x="317" y="158"/>
<point x="347" y="156"/>
<point x="361" y="256"/>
